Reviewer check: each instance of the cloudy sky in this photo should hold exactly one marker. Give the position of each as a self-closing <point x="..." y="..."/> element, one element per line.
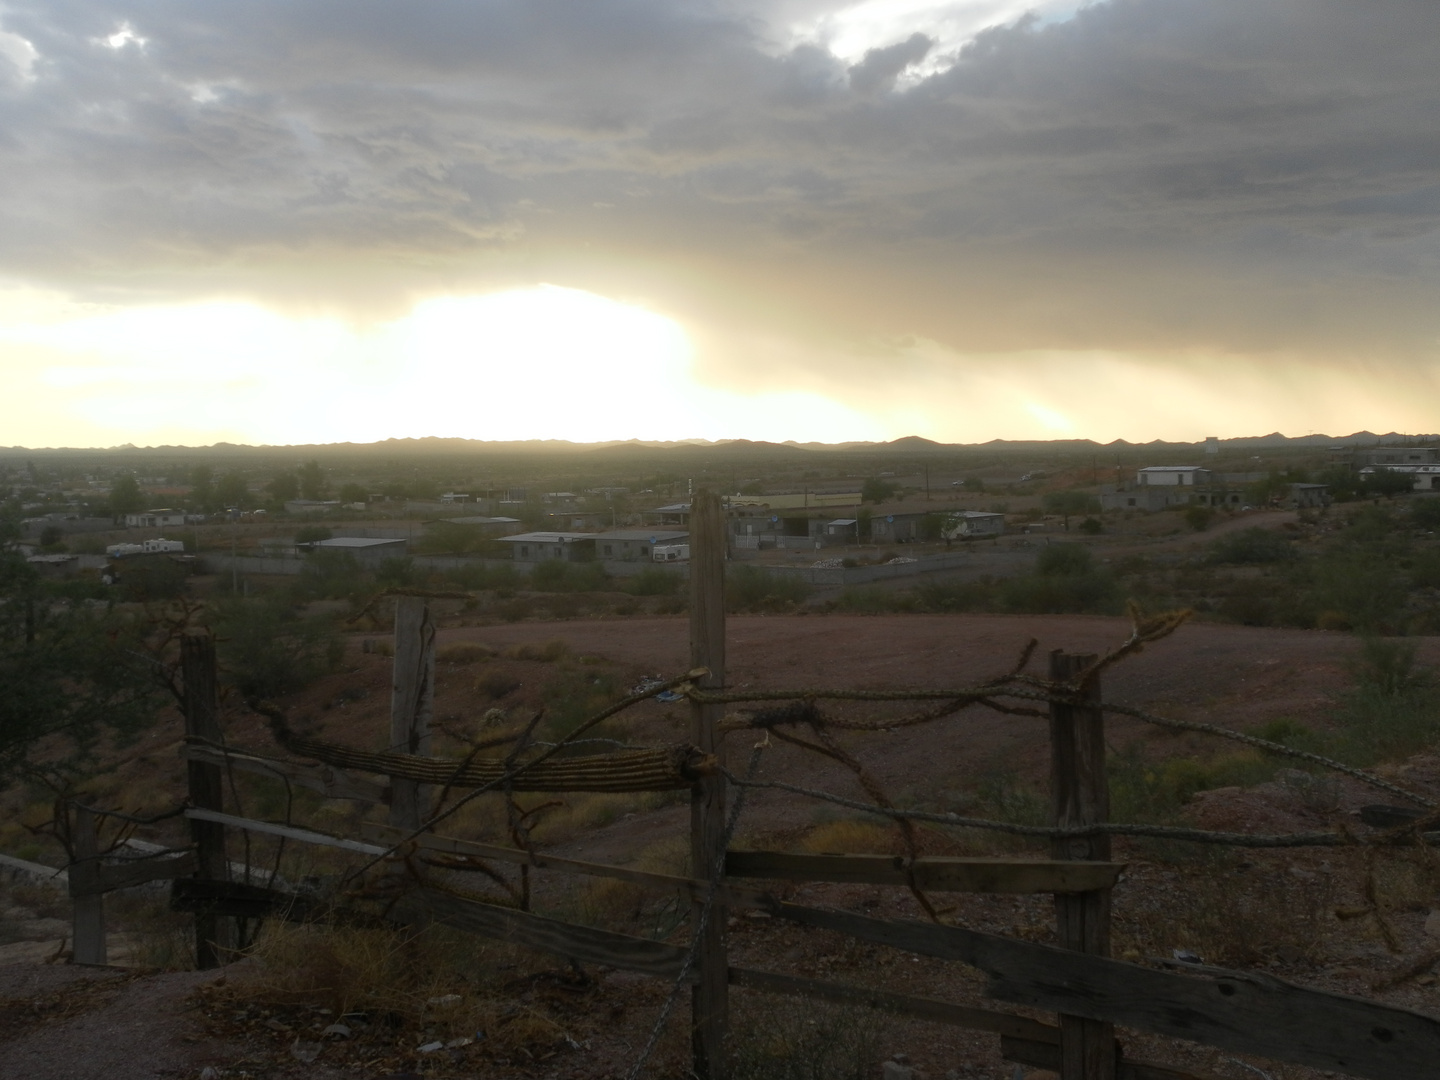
<point x="318" y="220"/>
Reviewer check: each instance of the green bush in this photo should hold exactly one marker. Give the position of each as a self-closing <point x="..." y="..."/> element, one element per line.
<point x="266" y="649"/>
<point x="331" y="575"/>
<point x="1251" y="546"/>
<point x="654" y="581"/>
<point x="1425" y="512"/>
<point x="558" y="575"/>
<point x="752" y="588"/>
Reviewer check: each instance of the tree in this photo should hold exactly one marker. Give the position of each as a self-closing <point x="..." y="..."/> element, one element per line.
<point x="232" y="490"/>
<point x="284" y="487"/>
<point x="71" y="673"/>
<point x="1066" y="503"/>
<point x="876" y="490"/>
<point x="313" y="484"/>
<point x="126" y="496"/>
<point x="202" y="488"/>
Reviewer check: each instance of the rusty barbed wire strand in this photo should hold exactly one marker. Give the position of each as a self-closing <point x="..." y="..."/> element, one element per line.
<point x="1047" y="832"/>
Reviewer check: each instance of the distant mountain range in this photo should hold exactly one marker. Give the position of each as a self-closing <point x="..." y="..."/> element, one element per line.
<point x="910" y="444"/>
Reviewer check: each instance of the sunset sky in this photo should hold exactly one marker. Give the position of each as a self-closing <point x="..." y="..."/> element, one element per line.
<point x="295" y="221"/>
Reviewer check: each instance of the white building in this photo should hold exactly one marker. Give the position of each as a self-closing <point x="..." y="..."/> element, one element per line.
<point x="159" y="546"/>
<point x="155" y="519"/>
<point x="1172" y="476"/>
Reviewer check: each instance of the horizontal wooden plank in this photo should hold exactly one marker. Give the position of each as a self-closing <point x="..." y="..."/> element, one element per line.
<point x="290" y="832"/>
<point x="728" y="895"/>
<point x="585" y="944"/>
<point x="934" y="874"/>
<point x="1046" y="1055"/>
<point x="942" y="1012"/>
<point x="239" y="900"/>
<point x="1243" y="1012"/>
<point x="326" y="779"/>
<point x="126" y="875"/>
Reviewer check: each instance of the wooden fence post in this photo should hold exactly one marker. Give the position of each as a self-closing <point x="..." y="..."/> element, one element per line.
<point x="709" y="997"/>
<point x="89" y="902"/>
<point x="1080" y="795"/>
<point x="412" y="703"/>
<point x="214" y="935"/>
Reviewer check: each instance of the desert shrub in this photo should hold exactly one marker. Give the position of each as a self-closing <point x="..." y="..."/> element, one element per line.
<point x="1156" y="791"/>
<point x="654" y="581"/>
<point x="308" y="534"/>
<point x="1368" y="593"/>
<point x="1066" y="581"/>
<point x="266" y="649"/>
<point x="850" y="837"/>
<point x="1425" y="513"/>
<point x="558" y="575"/>
<point x="153" y="578"/>
<point x="463" y="652"/>
<point x="575" y="694"/>
<point x="544" y="652"/>
<point x="777" y="1039"/>
<point x="496" y="684"/>
<point x="1061" y="560"/>
<point x="331" y="575"/>
<point x="874" y="600"/>
<point x="481" y="576"/>
<point x="393" y="573"/>
<point x="1370" y="523"/>
<point x="1393" y="709"/>
<point x="1251" y="546"/>
<point x="1199" y="517"/>
<point x="752" y="588"/>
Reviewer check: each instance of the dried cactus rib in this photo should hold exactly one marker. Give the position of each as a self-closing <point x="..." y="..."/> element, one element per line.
<point x="661" y="769"/>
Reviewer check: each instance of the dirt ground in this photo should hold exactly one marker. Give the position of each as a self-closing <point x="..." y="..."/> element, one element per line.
<point x="61" y="1022"/>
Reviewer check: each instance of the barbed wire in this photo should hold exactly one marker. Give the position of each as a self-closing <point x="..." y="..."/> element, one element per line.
<point x="702" y="920"/>
<point x="1048" y="832"/>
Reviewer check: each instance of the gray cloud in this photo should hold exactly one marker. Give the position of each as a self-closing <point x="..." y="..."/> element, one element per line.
<point x="879" y="68"/>
<point x="1148" y="172"/>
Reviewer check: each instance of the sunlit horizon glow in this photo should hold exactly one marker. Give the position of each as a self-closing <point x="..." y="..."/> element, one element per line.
<point x="551" y="363"/>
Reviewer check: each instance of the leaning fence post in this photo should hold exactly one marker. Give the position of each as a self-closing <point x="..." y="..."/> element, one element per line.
<point x="412" y="702"/>
<point x="709" y="1000"/>
<point x="1080" y="795"/>
<point x="214" y="935"/>
<point x="85" y="894"/>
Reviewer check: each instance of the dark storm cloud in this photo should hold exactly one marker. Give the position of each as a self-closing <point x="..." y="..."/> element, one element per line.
<point x="1205" y="171"/>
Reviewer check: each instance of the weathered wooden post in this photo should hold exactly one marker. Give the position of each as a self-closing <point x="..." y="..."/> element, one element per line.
<point x="1080" y="795"/>
<point x="412" y="703"/>
<point x="85" y="895"/>
<point x="214" y="935"/>
<point x="709" y="1001"/>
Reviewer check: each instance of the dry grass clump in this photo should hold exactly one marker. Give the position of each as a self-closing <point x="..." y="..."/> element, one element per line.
<point x="544" y="652"/>
<point x="464" y="652"/>
<point x="605" y="901"/>
<point x="851" y="837"/>
<point x="1232" y="914"/>
<point x="392" y="990"/>
<point x="496" y="684"/>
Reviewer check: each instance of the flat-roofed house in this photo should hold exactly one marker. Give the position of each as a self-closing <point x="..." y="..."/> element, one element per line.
<point x="534" y="547"/>
<point x="634" y="545"/>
